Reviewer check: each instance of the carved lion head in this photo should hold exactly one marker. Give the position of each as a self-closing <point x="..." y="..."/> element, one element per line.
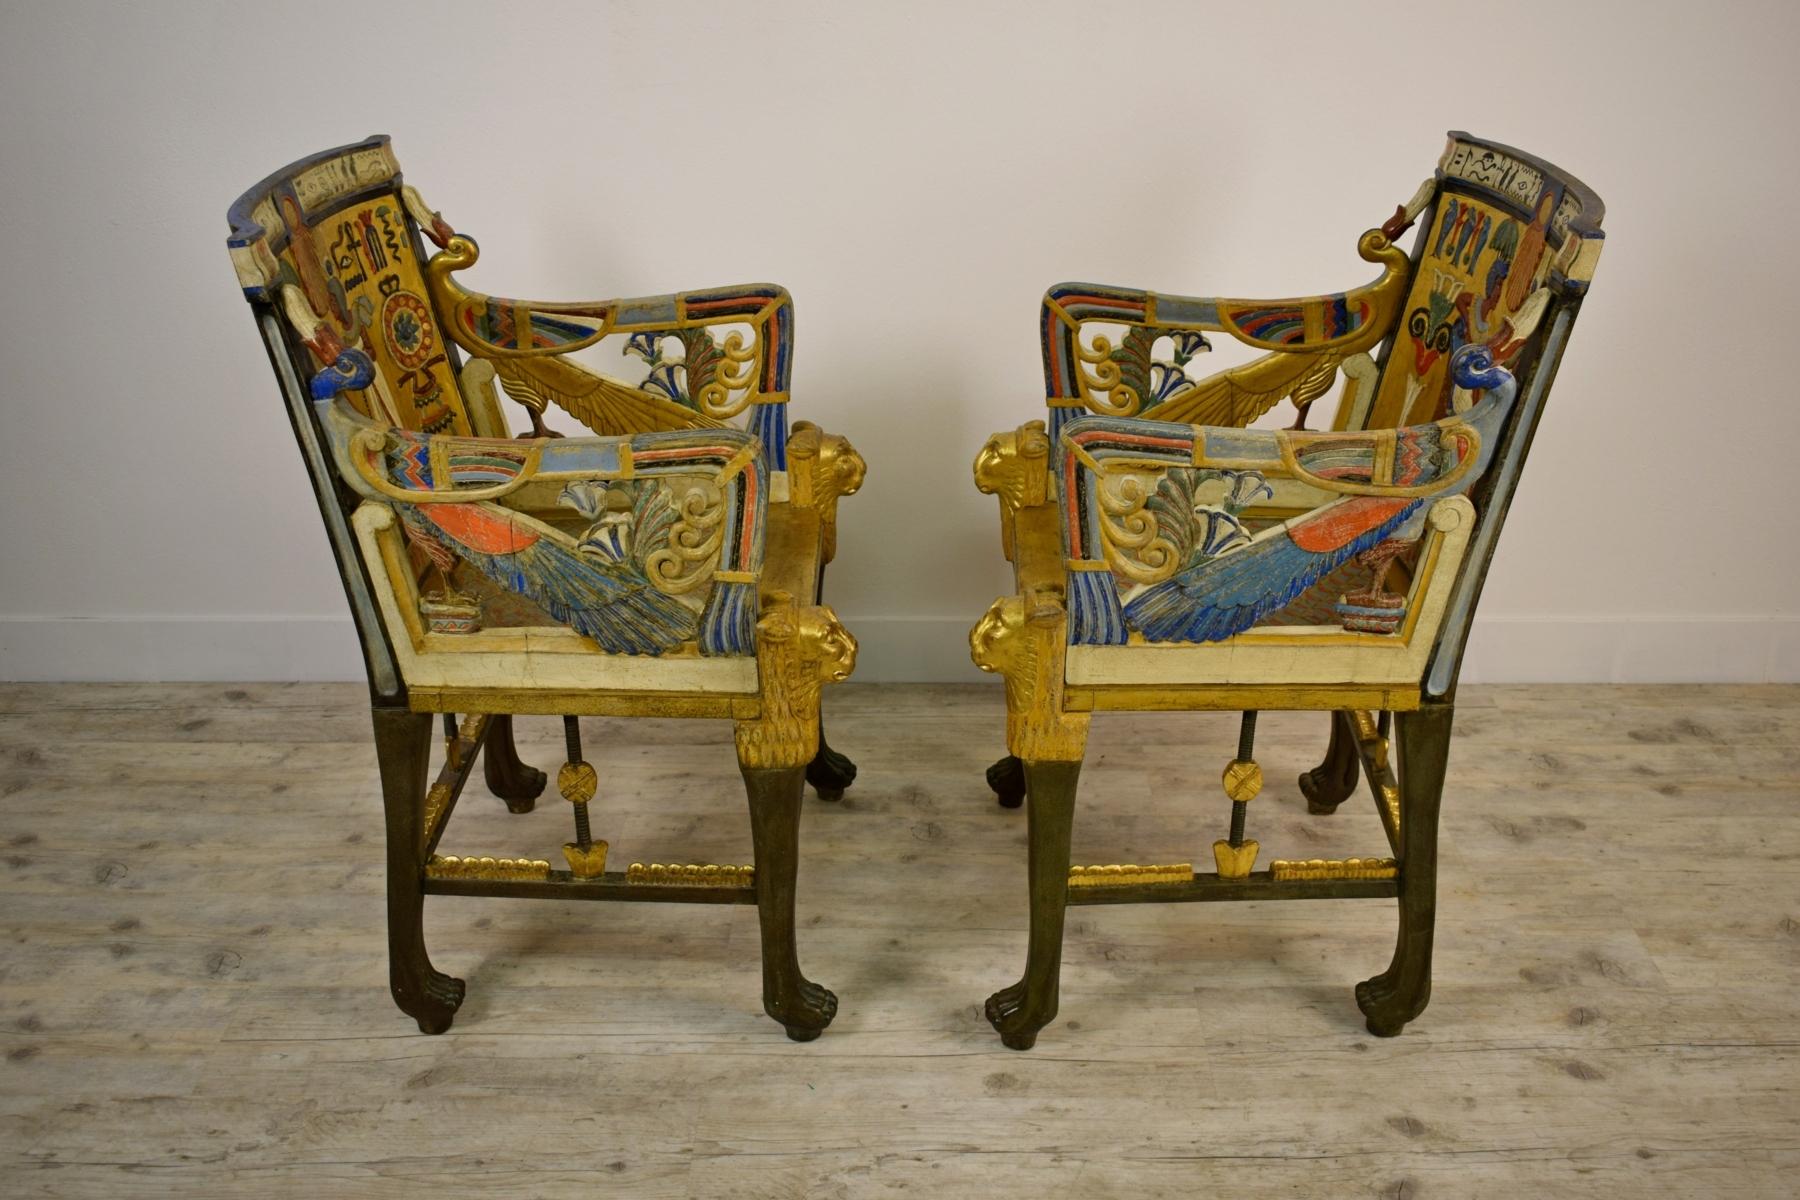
<point x="837" y="467"/>
<point x="1010" y="463"/>
<point x="820" y="643"/>
<point x="997" y="630"/>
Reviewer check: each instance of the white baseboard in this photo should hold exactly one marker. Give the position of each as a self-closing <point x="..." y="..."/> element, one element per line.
<point x="895" y="649"/>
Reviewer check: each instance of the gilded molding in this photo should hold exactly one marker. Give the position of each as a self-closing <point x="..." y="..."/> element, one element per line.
<point x="822" y="468"/>
<point x="449" y="866"/>
<point x="1122" y="875"/>
<point x="1243" y="780"/>
<point x="1015" y="467"/>
<point x="1369" y="734"/>
<point x="1375" y="749"/>
<point x="799" y="649"/>
<point x="577" y="781"/>
<point x="437" y="798"/>
<point x="1235" y="862"/>
<point x="1333" y="868"/>
<point x="586" y="862"/>
<point x="1024" y="639"/>
<point x="690" y="875"/>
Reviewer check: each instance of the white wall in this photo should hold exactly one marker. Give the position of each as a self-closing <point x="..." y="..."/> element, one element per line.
<point x="916" y="174"/>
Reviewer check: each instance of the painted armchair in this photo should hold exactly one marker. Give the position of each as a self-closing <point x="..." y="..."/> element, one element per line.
<point x="1168" y="557"/>
<point x="669" y="565"/>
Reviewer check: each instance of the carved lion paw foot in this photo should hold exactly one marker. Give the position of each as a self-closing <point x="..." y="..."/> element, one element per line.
<point x="1017" y="1020"/>
<point x="1385" y="1007"/>
<point x="1007" y="779"/>
<point x="1323" y="793"/>
<point x="530" y="787"/>
<point x="806" y="1015"/>
<point x="519" y="785"/>
<point x="438" y="998"/>
<point x="830" y="773"/>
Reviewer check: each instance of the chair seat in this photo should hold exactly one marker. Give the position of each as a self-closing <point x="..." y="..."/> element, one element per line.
<point x="519" y="650"/>
<point x="1274" y="653"/>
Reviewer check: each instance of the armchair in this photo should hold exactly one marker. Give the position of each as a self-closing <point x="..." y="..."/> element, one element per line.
<point x="1168" y="557"/>
<point x="670" y="565"/>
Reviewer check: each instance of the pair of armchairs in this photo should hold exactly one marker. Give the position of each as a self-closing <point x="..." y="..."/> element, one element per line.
<point x="1166" y="555"/>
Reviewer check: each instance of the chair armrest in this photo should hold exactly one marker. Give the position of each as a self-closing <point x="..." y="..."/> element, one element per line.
<point x="1157" y="505"/>
<point x="639" y="542"/>
<point x="722" y="377"/>
<point x="1307" y="337"/>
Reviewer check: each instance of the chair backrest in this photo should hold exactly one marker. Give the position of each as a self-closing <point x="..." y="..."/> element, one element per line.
<point x="328" y="246"/>
<point x="335" y="232"/>
<point x="1502" y="225"/>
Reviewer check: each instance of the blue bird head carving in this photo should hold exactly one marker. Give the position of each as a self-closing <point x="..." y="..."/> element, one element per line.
<point x="1473" y="367"/>
<point x="351" y="370"/>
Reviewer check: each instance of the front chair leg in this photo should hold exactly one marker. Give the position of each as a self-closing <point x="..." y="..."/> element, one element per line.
<point x="1019" y="1011"/>
<point x="1007" y="779"/>
<point x="1330" y="783"/>
<point x="507" y="776"/>
<point x="1400" y="993"/>
<point x="803" y="1007"/>
<point x="830" y="773"/>
<point x="403" y="747"/>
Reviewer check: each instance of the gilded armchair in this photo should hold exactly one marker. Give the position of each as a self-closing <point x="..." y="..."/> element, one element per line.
<point x="669" y="565"/>
<point x="1168" y="557"/>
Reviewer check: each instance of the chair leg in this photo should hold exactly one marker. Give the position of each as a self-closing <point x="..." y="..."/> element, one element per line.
<point x="1007" y="778"/>
<point x="403" y="746"/>
<point x="1331" y="782"/>
<point x="830" y="773"/>
<point x="507" y="776"/>
<point x="1019" y="1011"/>
<point x="1400" y="993"/>
<point x="803" y="1007"/>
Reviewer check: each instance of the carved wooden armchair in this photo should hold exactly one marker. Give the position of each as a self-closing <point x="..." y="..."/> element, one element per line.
<point x="1167" y="557"/>
<point x="671" y="565"/>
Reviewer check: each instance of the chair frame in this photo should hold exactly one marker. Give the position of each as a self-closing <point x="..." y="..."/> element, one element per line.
<point x="779" y="742"/>
<point x="1026" y="637"/>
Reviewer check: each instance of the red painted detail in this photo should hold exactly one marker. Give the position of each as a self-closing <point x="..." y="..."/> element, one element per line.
<point x="480" y="529"/>
<point x="696" y="452"/>
<point x="1133" y="439"/>
<point x="1343" y="524"/>
<point x="1071" y="511"/>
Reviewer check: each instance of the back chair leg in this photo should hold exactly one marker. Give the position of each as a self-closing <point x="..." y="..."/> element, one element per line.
<point x="1331" y="782"/>
<point x="1019" y="1011"/>
<point x="403" y="746"/>
<point x="508" y="777"/>
<point x="1007" y="779"/>
<point x="803" y="1007"/>
<point x="1400" y="993"/>
<point x="830" y="773"/>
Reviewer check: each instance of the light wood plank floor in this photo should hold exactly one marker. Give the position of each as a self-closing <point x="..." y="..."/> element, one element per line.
<point x="193" y="990"/>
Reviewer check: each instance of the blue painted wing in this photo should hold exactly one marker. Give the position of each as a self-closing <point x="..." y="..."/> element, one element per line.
<point x="1229" y="594"/>
<point x="613" y="603"/>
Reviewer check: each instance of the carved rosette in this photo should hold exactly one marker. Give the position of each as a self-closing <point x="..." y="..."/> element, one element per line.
<point x="822" y="467"/>
<point x="1015" y="467"/>
<point x="799" y="649"/>
<point x="1023" y="639"/>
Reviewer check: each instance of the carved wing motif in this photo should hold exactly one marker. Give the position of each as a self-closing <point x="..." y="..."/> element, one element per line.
<point x="1240" y="395"/>
<point x="609" y="409"/>
<point x="1172" y="504"/>
<point x="652" y="519"/>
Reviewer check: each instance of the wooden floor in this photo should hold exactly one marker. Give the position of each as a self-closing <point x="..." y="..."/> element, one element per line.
<point x="193" y="995"/>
